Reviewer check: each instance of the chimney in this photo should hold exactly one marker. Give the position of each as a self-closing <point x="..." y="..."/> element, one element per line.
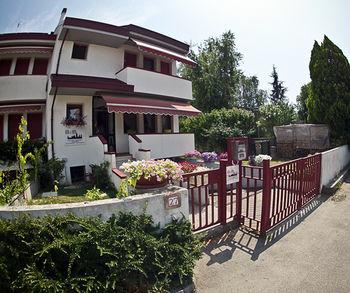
<point x="60" y="23"/>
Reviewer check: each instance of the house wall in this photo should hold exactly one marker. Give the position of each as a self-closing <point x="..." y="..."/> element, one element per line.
<point x="91" y="151"/>
<point x="333" y="162"/>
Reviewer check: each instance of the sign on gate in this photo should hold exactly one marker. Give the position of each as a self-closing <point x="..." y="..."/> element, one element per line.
<point x="232" y="174"/>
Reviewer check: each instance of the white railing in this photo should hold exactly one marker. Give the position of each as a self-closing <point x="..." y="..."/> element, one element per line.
<point x="162" y="145"/>
<point x="151" y="82"/>
<point x="22" y="87"/>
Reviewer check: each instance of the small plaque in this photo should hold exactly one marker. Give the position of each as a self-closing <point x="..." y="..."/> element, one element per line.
<point x="232" y="174"/>
<point x="172" y="201"/>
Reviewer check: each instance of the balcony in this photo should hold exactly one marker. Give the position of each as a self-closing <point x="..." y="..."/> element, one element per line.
<point x="156" y="83"/>
<point x="22" y="87"/>
<point x="161" y="145"/>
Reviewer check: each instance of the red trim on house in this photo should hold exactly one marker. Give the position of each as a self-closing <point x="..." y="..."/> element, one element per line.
<point x="26" y="50"/>
<point x="13" y="122"/>
<point x="27" y="36"/>
<point x="135" y="137"/>
<point x="35" y="121"/>
<point x="154" y="72"/>
<point x="119" y="173"/>
<point x="102" y="139"/>
<point x="144" y="150"/>
<point x="148" y="106"/>
<point x="91" y="82"/>
<point x="21" y="108"/>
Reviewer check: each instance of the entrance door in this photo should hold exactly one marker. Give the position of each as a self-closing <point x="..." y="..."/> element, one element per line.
<point x="104" y="122"/>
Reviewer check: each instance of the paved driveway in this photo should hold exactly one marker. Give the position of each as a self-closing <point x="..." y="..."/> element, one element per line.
<point x="309" y="253"/>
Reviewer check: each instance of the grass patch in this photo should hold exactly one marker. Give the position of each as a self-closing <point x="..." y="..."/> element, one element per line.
<point x="68" y="194"/>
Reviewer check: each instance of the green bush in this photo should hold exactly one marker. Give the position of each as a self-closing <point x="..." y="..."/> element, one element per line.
<point x="101" y="176"/>
<point x="69" y="254"/>
<point x="212" y="129"/>
<point x="93" y="193"/>
<point x="50" y="173"/>
<point x="8" y="149"/>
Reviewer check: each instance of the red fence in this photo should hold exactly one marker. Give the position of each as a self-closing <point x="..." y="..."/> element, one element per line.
<point x="263" y="197"/>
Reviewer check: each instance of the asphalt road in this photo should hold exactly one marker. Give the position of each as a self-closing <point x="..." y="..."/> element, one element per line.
<point x="310" y="253"/>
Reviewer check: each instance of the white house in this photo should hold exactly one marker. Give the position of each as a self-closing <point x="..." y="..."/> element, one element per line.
<point x="98" y="91"/>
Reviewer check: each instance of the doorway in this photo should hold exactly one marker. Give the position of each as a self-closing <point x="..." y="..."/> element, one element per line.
<point x="103" y="122"/>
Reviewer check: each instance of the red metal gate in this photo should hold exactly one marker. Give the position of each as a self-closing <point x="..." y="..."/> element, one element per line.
<point x="263" y="197"/>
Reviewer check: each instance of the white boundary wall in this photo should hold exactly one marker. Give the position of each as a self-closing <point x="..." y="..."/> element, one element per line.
<point x="333" y="162"/>
<point x="151" y="203"/>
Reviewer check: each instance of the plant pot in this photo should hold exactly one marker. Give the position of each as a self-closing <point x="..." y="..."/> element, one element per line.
<point x="150" y="183"/>
<point x="212" y="165"/>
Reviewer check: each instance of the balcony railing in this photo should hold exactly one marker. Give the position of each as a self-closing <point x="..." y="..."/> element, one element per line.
<point x="22" y="87"/>
<point x="151" y="82"/>
<point x="161" y="145"/>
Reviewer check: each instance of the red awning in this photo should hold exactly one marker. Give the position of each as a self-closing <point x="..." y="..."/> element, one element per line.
<point x="149" y="106"/>
<point x="26" y="50"/>
<point x="21" y="108"/>
<point x="163" y="52"/>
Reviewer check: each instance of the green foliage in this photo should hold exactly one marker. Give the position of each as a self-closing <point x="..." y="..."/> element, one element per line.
<point x="50" y="173"/>
<point x="94" y="193"/>
<point x="212" y="129"/>
<point x="249" y="96"/>
<point x="305" y="93"/>
<point x="8" y="149"/>
<point x="216" y="77"/>
<point x="329" y="101"/>
<point x="101" y="176"/>
<point x="69" y="254"/>
<point x="278" y="90"/>
<point x="274" y="115"/>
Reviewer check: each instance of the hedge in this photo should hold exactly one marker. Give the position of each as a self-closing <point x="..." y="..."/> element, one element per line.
<point x="70" y="254"/>
<point x="211" y="129"/>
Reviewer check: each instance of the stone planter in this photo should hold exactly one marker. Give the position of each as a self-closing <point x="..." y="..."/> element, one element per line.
<point x="150" y="183"/>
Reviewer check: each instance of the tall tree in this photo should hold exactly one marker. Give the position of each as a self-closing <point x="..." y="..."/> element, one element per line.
<point x="249" y="96"/>
<point x="278" y="90"/>
<point x="305" y="92"/>
<point x="216" y="77"/>
<point x="329" y="101"/>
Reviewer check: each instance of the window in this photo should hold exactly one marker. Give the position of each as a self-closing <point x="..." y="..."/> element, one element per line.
<point x="148" y="63"/>
<point x="166" y="124"/>
<point x="149" y="121"/>
<point x="5" y="66"/>
<point x="130" y="123"/>
<point x="22" y="65"/>
<point x="1" y="127"/>
<point x="130" y="60"/>
<point x="40" y="66"/>
<point x="165" y="67"/>
<point x="77" y="174"/>
<point x="79" y="51"/>
<point x="74" y="112"/>
<point x="35" y="125"/>
<point x="13" y="121"/>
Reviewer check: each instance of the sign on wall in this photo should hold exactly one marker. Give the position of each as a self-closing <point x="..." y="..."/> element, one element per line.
<point x="74" y="136"/>
<point x="172" y="201"/>
<point x="232" y="174"/>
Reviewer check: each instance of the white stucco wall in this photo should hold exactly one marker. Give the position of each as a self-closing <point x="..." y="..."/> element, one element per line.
<point x="333" y="162"/>
<point x="101" y="61"/>
<point x="150" y="203"/>
<point x="91" y="152"/>
<point x="22" y="87"/>
<point x="151" y="82"/>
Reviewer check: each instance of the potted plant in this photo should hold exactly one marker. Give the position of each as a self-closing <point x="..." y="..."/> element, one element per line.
<point x="258" y="160"/>
<point x="151" y="174"/>
<point x="71" y="121"/>
<point x="193" y="156"/>
<point x="210" y="159"/>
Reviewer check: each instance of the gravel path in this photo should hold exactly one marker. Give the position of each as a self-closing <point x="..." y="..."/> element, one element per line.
<point x="309" y="253"/>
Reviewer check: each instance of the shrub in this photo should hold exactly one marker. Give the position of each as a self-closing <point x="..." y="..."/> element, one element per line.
<point x="69" y="254"/>
<point x="93" y="193"/>
<point x="50" y="173"/>
<point x="101" y="176"/>
<point x="212" y="129"/>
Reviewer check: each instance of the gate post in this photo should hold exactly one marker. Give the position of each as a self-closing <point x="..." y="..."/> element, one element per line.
<point x="238" y="215"/>
<point x="300" y="166"/>
<point x="266" y="197"/>
<point x="222" y="191"/>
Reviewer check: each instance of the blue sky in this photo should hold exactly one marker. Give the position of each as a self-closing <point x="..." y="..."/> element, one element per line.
<point x="268" y="32"/>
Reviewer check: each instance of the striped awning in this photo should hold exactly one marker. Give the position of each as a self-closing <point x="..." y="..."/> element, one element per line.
<point x="153" y="49"/>
<point x="21" y="108"/>
<point x="26" y="50"/>
<point x="149" y="106"/>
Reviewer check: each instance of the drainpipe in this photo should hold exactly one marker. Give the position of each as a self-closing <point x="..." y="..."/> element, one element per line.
<point x="56" y="89"/>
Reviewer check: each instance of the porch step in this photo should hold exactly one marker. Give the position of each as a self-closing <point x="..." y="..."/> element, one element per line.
<point x="122" y="158"/>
